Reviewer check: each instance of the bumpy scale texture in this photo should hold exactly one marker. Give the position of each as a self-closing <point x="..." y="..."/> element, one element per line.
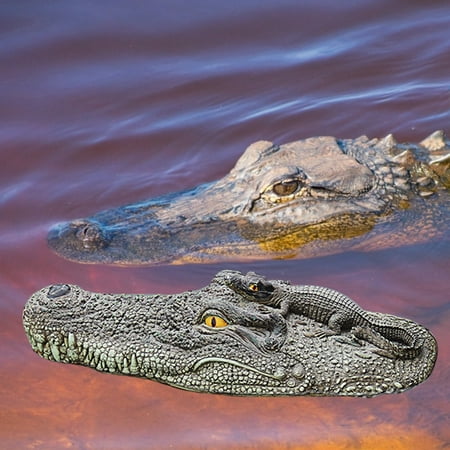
<point x="239" y="335"/>
<point x="302" y="199"/>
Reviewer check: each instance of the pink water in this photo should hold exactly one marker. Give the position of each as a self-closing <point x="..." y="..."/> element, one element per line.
<point x="103" y="103"/>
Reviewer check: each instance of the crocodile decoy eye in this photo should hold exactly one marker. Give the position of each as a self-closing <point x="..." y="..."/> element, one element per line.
<point x="215" y="322"/>
<point x="286" y="187"/>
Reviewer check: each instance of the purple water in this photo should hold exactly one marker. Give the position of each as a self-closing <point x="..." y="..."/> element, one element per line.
<point x="104" y="103"/>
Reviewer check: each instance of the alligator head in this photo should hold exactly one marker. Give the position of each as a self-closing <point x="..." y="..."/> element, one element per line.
<point x="306" y="198"/>
<point x="215" y="340"/>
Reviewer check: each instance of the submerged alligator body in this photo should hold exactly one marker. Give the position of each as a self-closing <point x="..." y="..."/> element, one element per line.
<point x="303" y="199"/>
<point x="240" y="335"/>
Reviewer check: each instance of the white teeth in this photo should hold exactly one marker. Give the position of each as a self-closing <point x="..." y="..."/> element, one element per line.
<point x="125" y="368"/>
<point x="55" y="352"/>
<point x="133" y="366"/>
<point x="435" y="141"/>
<point x="71" y="340"/>
<point x="83" y="354"/>
<point x="97" y="354"/>
<point x="111" y="364"/>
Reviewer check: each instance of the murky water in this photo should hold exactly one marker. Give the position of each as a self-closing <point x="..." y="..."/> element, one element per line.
<point x="106" y="103"/>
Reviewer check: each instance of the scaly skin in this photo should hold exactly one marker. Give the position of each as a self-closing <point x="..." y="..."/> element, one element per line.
<point x="302" y="199"/>
<point x="220" y="340"/>
<point x="331" y="308"/>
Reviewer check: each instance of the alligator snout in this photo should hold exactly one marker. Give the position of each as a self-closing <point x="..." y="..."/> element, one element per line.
<point x="82" y="235"/>
<point x="302" y="199"/>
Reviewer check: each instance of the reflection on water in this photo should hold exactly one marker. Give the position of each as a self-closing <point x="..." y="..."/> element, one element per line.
<point x="101" y="107"/>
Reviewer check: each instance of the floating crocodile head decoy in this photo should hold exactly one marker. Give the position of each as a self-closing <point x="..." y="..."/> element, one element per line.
<point x="303" y="199"/>
<point x="240" y="335"/>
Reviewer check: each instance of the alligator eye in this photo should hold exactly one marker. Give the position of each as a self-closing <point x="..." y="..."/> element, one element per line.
<point x="215" y="322"/>
<point x="253" y="287"/>
<point x="286" y="187"/>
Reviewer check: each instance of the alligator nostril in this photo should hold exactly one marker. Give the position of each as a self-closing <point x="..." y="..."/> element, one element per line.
<point x="90" y="234"/>
<point x="58" y="290"/>
<point x="87" y="233"/>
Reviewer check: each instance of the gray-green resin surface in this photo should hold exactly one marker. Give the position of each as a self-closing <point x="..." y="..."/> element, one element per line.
<point x="239" y="335"/>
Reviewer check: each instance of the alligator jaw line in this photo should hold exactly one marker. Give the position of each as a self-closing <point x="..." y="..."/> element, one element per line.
<point x="204" y="361"/>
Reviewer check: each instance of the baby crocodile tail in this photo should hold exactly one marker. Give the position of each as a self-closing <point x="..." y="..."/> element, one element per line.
<point x="395" y="341"/>
<point x="339" y="311"/>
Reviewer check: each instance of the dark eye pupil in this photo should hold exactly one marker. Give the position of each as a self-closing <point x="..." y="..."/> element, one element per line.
<point x="286" y="187"/>
<point x="213" y="321"/>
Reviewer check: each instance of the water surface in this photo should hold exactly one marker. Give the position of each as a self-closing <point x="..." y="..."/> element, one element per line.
<point x="104" y="103"/>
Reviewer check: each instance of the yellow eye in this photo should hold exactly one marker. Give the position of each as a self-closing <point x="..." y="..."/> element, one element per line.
<point x="286" y="187"/>
<point x="215" y="322"/>
<point x="253" y="287"/>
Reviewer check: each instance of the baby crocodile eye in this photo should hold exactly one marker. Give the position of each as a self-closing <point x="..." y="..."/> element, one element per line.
<point x="215" y="322"/>
<point x="286" y="187"/>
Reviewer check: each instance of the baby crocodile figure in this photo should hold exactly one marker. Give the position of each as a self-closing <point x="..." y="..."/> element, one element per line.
<point x="232" y="338"/>
<point x="332" y="308"/>
<point x="302" y="199"/>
